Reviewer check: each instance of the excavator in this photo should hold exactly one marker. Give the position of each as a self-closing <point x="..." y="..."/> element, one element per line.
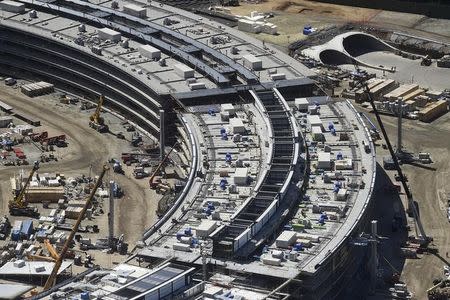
<point x="17" y="206"/>
<point x="152" y="184"/>
<point x="60" y="257"/>
<point x="96" y="121"/>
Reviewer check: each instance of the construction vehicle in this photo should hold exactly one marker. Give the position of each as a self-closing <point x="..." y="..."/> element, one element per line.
<point x="135" y="157"/>
<point x="139" y="173"/>
<point x="52" y="278"/>
<point x="136" y="139"/>
<point x="422" y="237"/>
<point x="97" y="122"/>
<point x="154" y="185"/>
<point x="17" y="206"/>
<point x="117" y="167"/>
<point x="5" y="226"/>
<point x="373" y="129"/>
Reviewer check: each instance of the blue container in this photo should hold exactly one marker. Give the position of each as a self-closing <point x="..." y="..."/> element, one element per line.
<point x="307" y="31"/>
<point x="15" y="235"/>
<point x="222" y="130"/>
<point x="179" y="235"/>
<point x="27" y="228"/>
<point x="330" y="126"/>
<point x="211" y="206"/>
<point x="85" y="296"/>
<point x="228" y="157"/>
<point x="207" y="211"/>
<point x="298" y="247"/>
<point x="333" y="131"/>
<point x="224" y="136"/>
<point x="188" y="231"/>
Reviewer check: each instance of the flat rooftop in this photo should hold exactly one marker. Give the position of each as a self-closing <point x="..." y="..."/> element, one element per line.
<point x="163" y="79"/>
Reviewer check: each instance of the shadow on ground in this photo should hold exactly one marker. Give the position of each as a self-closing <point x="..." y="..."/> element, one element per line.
<point x="386" y="204"/>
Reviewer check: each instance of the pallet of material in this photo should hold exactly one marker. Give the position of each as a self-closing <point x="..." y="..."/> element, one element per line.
<point x="37" y="89"/>
<point x="44" y="194"/>
<point x="76" y="203"/>
<point x="73" y="212"/>
<point x="29" y="119"/>
<point x="5" y="107"/>
<point x="433" y="111"/>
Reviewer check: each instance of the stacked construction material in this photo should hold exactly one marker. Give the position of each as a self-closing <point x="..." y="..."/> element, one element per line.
<point x="37" y="88"/>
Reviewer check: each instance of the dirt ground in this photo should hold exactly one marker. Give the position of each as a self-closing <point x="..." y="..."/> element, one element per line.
<point x="429" y="188"/>
<point x="134" y="212"/>
<point x="291" y="16"/>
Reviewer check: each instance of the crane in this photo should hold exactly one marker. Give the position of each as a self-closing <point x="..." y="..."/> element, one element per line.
<point x="97" y="122"/>
<point x="51" y="250"/>
<point x="152" y="184"/>
<point x="17" y="206"/>
<point x="424" y="239"/>
<point x="52" y="278"/>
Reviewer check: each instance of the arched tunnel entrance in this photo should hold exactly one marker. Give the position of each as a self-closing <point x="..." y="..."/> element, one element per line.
<point x="358" y="44"/>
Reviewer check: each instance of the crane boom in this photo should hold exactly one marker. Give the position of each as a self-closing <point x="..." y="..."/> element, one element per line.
<point x="18" y="200"/>
<point x="52" y="278"/>
<point x="411" y="204"/>
<point x="160" y="165"/>
<point x="96" y="115"/>
<point x="97" y="122"/>
<point x="51" y="250"/>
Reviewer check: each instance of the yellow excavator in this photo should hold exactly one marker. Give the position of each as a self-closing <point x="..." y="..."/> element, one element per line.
<point x="96" y="121"/>
<point x="17" y="206"/>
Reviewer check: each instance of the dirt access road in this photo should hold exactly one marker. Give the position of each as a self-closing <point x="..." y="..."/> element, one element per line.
<point x="135" y="211"/>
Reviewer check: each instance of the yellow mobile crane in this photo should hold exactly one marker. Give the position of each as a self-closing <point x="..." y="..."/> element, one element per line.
<point x="17" y="206"/>
<point x="97" y="122"/>
<point x="52" y="278"/>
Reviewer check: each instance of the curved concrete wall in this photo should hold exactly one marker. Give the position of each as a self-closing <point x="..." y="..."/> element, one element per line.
<point x="80" y="73"/>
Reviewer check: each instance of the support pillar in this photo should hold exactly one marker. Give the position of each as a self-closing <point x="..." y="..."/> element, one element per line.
<point x="162" y="130"/>
<point x="399" y="125"/>
<point x="373" y="255"/>
<point x="111" y="214"/>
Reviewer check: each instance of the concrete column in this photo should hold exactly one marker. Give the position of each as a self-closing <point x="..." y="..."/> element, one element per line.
<point x="162" y="129"/>
<point x="373" y="255"/>
<point x="399" y="125"/>
<point x="111" y="214"/>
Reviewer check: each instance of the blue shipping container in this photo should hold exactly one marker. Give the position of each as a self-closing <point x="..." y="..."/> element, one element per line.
<point x="27" y="228"/>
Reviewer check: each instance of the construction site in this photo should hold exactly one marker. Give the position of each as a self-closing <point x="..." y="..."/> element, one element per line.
<point x="223" y="150"/>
